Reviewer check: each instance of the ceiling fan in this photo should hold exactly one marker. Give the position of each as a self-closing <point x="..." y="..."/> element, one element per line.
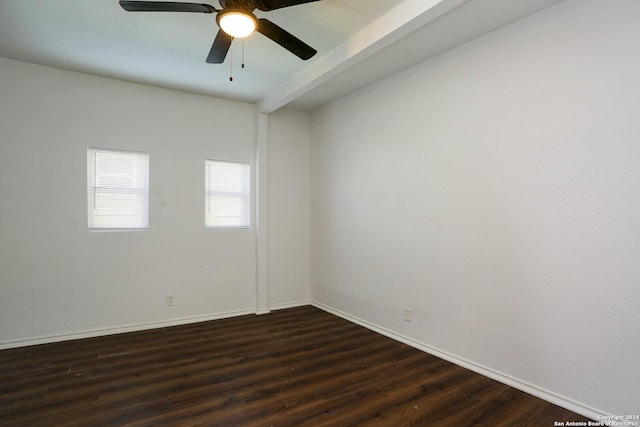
<point x="235" y="19"/>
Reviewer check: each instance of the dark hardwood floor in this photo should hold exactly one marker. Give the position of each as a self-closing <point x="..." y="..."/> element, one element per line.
<point x="294" y="367"/>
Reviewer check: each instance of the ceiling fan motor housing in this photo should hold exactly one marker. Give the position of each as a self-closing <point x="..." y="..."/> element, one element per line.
<point x="245" y="5"/>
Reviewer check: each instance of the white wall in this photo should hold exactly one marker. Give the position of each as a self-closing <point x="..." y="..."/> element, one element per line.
<point x="495" y="190"/>
<point x="56" y="277"/>
<point x="289" y="206"/>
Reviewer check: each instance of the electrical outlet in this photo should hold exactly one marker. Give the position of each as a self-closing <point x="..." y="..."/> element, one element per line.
<point x="170" y="300"/>
<point x="407" y="314"/>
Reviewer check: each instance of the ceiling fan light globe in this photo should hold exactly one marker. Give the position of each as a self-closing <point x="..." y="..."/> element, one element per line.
<point x="237" y="23"/>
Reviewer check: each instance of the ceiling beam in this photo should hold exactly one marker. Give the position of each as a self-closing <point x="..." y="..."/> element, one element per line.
<point x="399" y="22"/>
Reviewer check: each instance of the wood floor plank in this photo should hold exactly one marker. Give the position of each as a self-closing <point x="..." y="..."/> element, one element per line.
<point x="294" y="367"/>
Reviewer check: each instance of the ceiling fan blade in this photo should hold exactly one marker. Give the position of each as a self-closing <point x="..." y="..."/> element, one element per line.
<point x="165" y="6"/>
<point x="266" y="5"/>
<point x="220" y="47"/>
<point x="285" y="39"/>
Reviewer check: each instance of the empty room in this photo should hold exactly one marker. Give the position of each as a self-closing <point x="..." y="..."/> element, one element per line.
<point x="320" y="212"/>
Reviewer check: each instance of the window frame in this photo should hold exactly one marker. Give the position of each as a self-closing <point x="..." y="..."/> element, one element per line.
<point x="244" y="195"/>
<point x="93" y="189"/>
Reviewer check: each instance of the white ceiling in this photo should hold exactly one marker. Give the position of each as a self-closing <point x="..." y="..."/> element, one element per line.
<point x="358" y="42"/>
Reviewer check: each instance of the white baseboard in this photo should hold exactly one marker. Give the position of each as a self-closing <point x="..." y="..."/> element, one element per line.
<point x="286" y="305"/>
<point x="544" y="394"/>
<point x="143" y="326"/>
<point x="121" y="329"/>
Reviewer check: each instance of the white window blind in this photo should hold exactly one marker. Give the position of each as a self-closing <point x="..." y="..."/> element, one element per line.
<point x="117" y="189"/>
<point x="226" y="194"/>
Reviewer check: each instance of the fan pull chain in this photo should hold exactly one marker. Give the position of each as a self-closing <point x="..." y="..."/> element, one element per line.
<point x="242" y="53"/>
<point x="231" y="64"/>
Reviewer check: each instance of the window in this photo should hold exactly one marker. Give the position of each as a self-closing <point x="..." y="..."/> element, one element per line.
<point x="226" y="194"/>
<point x="117" y="189"/>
